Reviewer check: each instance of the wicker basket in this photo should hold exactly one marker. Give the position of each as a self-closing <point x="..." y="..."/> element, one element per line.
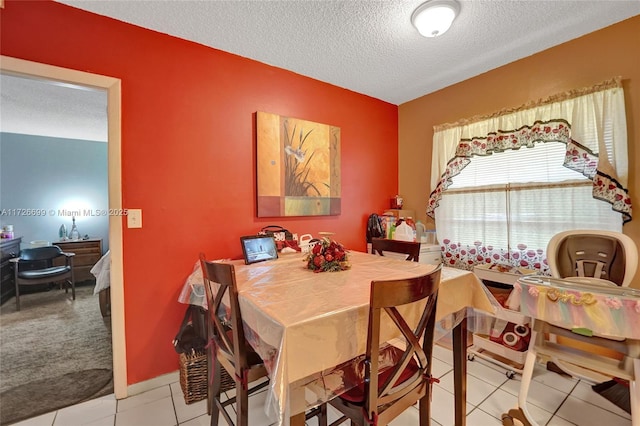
<point x="193" y="377"/>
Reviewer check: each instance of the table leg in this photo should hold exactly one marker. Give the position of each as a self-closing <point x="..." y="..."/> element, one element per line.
<point x="460" y="372"/>
<point x="297" y="420"/>
<point x="104" y="298"/>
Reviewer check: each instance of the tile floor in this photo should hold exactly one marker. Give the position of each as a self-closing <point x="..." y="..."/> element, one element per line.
<point x="554" y="400"/>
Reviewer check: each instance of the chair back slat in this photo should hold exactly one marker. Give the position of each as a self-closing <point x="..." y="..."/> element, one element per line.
<point x="225" y="320"/>
<point x="389" y="296"/>
<point x="410" y="248"/>
<point x="230" y="351"/>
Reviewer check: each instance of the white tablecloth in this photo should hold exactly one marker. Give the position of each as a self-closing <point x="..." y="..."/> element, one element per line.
<point x="304" y="324"/>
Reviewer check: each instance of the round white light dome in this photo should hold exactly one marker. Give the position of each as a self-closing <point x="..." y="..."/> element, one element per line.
<point x="434" y="17"/>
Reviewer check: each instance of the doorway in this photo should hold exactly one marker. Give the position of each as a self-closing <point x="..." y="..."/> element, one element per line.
<point x="28" y="69"/>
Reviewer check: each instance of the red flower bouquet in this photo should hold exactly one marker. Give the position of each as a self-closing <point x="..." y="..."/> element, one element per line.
<point x="327" y="255"/>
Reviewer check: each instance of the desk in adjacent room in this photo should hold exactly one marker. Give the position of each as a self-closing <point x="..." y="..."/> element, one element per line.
<point x="88" y="252"/>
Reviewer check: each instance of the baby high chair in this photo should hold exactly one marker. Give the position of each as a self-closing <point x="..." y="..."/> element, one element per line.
<point x="599" y="255"/>
<point x="587" y="261"/>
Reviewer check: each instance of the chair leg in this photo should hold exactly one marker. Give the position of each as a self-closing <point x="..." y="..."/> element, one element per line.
<point x="73" y="281"/>
<point x="527" y="376"/>
<point x="214" y="392"/>
<point x="634" y="394"/>
<point x="322" y="417"/>
<point x="242" y="404"/>
<point x="517" y="414"/>
<point x="210" y="377"/>
<point x="320" y="412"/>
<point x="15" y="280"/>
<point x="17" y="297"/>
<point x="424" y="406"/>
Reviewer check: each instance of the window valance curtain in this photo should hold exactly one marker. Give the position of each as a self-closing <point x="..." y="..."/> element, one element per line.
<point x="591" y="122"/>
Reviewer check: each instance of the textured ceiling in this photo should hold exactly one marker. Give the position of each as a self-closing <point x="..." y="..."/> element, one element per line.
<point x="370" y="46"/>
<point x="367" y="46"/>
<point x="45" y="108"/>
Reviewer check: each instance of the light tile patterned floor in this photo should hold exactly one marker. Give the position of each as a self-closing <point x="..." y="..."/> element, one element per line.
<point x="553" y="400"/>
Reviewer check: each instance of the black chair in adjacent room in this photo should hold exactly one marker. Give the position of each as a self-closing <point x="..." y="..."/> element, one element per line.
<point x="47" y="271"/>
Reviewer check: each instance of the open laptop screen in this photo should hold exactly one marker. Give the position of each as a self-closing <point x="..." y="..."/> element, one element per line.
<point x="258" y="248"/>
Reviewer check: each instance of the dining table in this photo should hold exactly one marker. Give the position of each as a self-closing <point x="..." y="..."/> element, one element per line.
<point x="310" y="327"/>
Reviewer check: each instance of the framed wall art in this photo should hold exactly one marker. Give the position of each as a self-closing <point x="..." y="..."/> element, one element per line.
<point x="298" y="167"/>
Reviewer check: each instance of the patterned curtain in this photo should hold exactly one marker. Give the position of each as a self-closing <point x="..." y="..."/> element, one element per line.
<point x="590" y="122"/>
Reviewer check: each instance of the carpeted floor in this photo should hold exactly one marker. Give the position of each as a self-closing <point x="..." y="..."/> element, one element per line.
<point x="18" y="403"/>
<point x="50" y="340"/>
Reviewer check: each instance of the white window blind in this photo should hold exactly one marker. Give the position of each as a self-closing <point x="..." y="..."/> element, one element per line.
<point x="542" y="164"/>
<point x="505" y="207"/>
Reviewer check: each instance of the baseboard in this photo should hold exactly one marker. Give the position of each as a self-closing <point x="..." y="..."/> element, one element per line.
<point x="156" y="382"/>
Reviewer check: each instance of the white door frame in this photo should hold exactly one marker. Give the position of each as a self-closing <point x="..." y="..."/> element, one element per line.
<point x="28" y="69"/>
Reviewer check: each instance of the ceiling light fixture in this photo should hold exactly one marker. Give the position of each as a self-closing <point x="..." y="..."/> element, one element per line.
<point x="434" y="17"/>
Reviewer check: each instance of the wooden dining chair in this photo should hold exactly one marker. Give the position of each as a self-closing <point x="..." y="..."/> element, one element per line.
<point x="381" y="394"/>
<point x="228" y="347"/>
<point x="410" y="248"/>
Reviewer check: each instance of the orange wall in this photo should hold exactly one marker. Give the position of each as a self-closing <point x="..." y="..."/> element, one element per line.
<point x="612" y="51"/>
<point x="188" y="152"/>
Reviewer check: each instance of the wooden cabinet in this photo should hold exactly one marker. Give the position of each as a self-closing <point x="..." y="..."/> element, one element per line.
<point x="88" y="252"/>
<point x="8" y="249"/>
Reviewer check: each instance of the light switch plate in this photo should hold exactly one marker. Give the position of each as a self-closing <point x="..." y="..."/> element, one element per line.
<point x="134" y="218"/>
